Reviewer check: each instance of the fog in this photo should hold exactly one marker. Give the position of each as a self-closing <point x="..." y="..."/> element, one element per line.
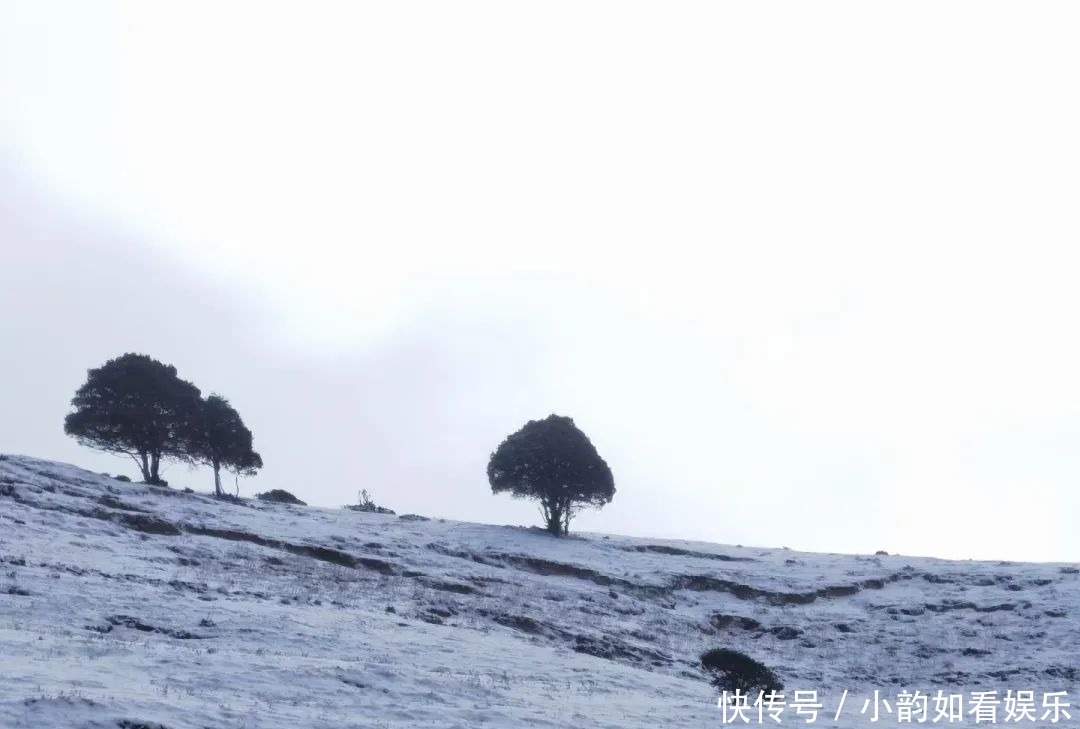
<point x="799" y="287"/>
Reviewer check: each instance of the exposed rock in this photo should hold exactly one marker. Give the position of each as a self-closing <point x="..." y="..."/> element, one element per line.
<point x="723" y="622"/>
<point x="785" y="632"/>
<point x="148" y="524"/>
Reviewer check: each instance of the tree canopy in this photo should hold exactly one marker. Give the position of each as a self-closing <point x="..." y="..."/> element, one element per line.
<point x="552" y="461"/>
<point x="136" y="406"/>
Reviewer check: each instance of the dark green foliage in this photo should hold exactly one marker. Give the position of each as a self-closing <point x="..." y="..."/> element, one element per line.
<point x="552" y="461"/>
<point x="732" y="670"/>
<point x="218" y="437"/>
<point x="135" y="406"/>
<point x="279" y="496"/>
<point x="123" y="478"/>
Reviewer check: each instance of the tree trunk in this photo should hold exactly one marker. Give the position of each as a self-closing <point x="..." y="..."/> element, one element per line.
<point x="155" y="463"/>
<point x="554" y="517"/>
<point x="144" y="466"/>
<point x="217" y="478"/>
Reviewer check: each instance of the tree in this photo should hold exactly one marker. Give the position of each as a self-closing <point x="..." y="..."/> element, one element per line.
<point x="218" y="437"/>
<point x="136" y="406"/>
<point x="552" y="461"/>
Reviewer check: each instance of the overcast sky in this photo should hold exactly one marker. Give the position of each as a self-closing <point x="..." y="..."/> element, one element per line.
<point x="806" y="273"/>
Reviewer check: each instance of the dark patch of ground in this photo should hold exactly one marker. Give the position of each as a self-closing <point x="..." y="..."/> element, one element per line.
<point x="111" y="502"/>
<point x="455" y="587"/>
<point x="614" y="649"/>
<point x="721" y="621"/>
<point x="326" y="554"/>
<point x="146" y="524"/>
<point x="127" y="621"/>
<point x="679" y="552"/>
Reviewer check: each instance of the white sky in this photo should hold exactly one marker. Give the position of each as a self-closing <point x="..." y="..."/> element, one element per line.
<point x="803" y="272"/>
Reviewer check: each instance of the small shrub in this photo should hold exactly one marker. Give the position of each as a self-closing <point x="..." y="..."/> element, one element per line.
<point x="732" y="670"/>
<point x="122" y="477"/>
<point x="366" y="503"/>
<point x="279" y="496"/>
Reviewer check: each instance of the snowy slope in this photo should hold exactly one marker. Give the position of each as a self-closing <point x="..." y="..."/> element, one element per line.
<point x="125" y="605"/>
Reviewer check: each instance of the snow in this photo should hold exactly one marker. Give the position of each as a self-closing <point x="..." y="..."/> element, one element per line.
<point x="268" y="615"/>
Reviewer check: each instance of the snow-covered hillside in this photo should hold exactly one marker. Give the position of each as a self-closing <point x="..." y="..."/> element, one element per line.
<point x="126" y="605"/>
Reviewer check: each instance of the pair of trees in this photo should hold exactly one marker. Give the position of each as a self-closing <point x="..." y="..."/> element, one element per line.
<point x="553" y="462"/>
<point x="137" y="406"/>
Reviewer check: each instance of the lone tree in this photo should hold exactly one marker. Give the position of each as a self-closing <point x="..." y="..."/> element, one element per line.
<point x="552" y="461"/>
<point x="218" y="437"/>
<point x="136" y="406"/>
